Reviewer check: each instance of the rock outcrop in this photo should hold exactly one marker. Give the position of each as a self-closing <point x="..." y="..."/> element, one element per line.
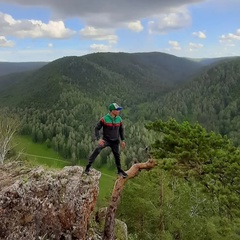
<point x="46" y="204"/>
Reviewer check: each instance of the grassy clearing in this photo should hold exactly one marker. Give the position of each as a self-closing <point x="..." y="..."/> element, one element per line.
<point x="25" y="145"/>
<point x="40" y="154"/>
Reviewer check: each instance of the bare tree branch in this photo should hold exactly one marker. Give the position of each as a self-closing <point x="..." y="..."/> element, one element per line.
<point x="118" y="187"/>
<point x="8" y="127"/>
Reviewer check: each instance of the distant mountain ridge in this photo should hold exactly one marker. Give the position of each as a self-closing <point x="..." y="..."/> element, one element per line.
<point x="16" y="67"/>
<point x="168" y="68"/>
<point x="147" y="59"/>
<point x="137" y="80"/>
<point x="134" y="77"/>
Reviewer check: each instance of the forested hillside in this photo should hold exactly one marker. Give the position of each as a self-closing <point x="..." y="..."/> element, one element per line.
<point x="193" y="192"/>
<point x="148" y="67"/>
<point x="61" y="102"/>
<point x="133" y="78"/>
<point x="212" y="99"/>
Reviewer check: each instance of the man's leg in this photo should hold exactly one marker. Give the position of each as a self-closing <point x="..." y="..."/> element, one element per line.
<point x="116" y="153"/>
<point x="93" y="156"/>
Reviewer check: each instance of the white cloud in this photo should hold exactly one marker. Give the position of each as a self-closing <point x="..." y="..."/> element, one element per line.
<point x="33" y="28"/>
<point x="105" y="17"/>
<point x="228" y="38"/>
<point x="92" y="33"/>
<point x="230" y="45"/>
<point x="135" y="26"/>
<point x="6" y="43"/>
<point x="199" y="34"/>
<point x="100" y="48"/>
<point x="107" y="13"/>
<point x="50" y="45"/>
<point x="178" y="19"/>
<point x="194" y="46"/>
<point x="175" y="45"/>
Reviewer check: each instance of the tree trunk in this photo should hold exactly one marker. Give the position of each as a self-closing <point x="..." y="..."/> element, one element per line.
<point x="161" y="205"/>
<point x="118" y="187"/>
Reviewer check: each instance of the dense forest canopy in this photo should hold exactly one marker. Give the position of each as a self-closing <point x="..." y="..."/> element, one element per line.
<point x="212" y="99"/>
<point x="61" y="102"/>
<point x="193" y="193"/>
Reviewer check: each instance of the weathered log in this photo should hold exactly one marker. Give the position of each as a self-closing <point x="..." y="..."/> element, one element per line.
<point x="118" y="187"/>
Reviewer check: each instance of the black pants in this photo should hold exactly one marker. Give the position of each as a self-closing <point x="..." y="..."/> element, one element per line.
<point x="115" y="150"/>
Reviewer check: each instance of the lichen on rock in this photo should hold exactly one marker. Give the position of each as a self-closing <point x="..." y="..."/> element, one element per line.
<point x="46" y="204"/>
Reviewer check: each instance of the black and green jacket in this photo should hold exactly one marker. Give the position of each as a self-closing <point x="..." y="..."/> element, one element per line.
<point x="113" y="129"/>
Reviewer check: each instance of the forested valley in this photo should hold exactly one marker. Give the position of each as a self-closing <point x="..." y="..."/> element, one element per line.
<point x="185" y="110"/>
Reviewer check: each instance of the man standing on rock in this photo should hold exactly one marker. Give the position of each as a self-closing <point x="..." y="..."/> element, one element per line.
<point x="113" y="132"/>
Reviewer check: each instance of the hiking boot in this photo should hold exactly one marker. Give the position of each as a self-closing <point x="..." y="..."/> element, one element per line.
<point x="86" y="171"/>
<point x="122" y="173"/>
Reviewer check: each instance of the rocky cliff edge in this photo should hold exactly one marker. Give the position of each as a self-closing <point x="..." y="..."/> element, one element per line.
<point x="46" y="204"/>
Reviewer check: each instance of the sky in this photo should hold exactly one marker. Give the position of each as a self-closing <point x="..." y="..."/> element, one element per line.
<point x="46" y="30"/>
